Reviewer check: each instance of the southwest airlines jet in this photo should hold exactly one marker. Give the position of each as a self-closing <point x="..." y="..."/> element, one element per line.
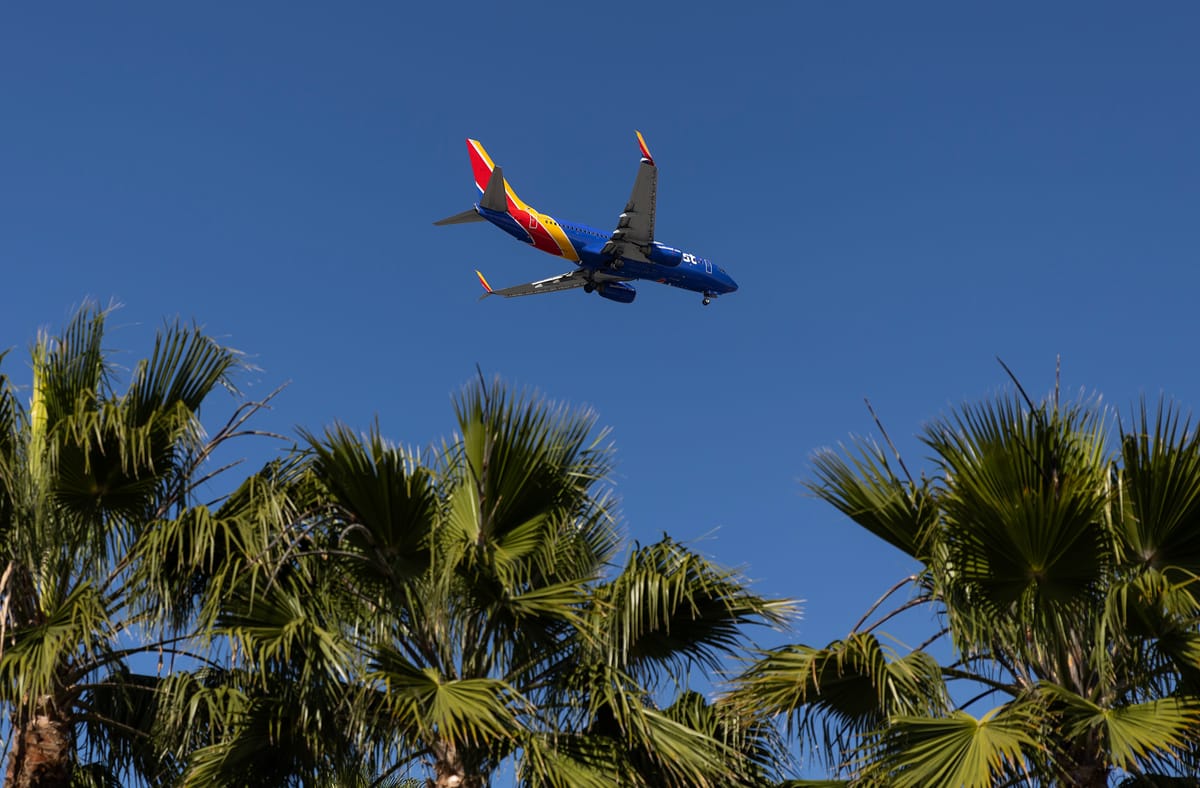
<point x="605" y="263"/>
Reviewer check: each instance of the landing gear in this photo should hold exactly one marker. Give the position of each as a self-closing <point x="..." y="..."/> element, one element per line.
<point x="589" y="288"/>
<point x="708" y="297"/>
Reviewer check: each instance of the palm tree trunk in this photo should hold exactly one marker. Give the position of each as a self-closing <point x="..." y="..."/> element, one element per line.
<point x="41" y="755"/>
<point x="1088" y="775"/>
<point x="450" y="770"/>
<point x="1088" y="768"/>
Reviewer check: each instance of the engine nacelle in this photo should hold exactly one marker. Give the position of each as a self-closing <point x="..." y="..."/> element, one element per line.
<point x="617" y="291"/>
<point x="664" y="255"/>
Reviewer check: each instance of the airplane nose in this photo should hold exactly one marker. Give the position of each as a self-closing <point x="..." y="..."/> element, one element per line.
<point x="732" y="285"/>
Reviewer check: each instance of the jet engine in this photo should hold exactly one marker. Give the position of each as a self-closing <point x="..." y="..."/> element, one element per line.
<point x="664" y="255"/>
<point x="617" y="291"/>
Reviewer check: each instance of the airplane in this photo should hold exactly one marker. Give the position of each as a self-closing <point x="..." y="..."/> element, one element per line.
<point x="606" y="262"/>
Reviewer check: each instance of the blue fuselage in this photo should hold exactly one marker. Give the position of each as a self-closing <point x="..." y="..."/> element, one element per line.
<point x="691" y="272"/>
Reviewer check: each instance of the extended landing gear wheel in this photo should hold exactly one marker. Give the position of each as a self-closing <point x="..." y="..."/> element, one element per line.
<point x="706" y="301"/>
<point x="589" y="287"/>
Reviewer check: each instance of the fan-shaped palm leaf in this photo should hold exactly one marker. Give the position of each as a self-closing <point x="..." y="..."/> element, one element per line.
<point x="1161" y="490"/>
<point x="1134" y="736"/>
<point x="1024" y="504"/>
<point x="669" y="607"/>
<point x="863" y="486"/>
<point x="957" y="750"/>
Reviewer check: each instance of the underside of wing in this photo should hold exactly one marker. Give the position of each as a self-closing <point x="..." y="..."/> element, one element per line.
<point x="635" y="227"/>
<point x="566" y="281"/>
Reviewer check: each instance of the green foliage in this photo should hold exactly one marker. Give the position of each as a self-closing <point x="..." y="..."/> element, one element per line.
<point x="354" y="613"/>
<point x="88" y="581"/>
<point x="454" y="607"/>
<point x="1065" y="576"/>
<point x="955" y="749"/>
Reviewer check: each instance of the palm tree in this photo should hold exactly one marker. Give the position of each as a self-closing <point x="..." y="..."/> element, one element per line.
<point x="1063" y="571"/>
<point x="87" y="475"/>
<point x="454" y="610"/>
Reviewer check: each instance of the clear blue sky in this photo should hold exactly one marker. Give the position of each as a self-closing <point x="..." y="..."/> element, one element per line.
<point x="904" y="192"/>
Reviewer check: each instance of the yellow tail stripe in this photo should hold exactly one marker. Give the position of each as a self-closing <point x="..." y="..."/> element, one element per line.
<point x="560" y="237"/>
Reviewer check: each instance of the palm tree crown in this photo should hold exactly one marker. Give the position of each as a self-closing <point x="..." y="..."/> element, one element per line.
<point x="1063" y="572"/>
<point x="86" y="475"/>
<point x="459" y="608"/>
<point x="353" y="613"/>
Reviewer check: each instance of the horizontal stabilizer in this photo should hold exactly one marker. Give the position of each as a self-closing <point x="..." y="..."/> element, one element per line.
<point x="494" y="196"/>
<point x="469" y="215"/>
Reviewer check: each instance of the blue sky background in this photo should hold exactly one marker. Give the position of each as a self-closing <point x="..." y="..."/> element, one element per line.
<point x="904" y="192"/>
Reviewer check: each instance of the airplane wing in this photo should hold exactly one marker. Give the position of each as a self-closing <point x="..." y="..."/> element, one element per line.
<point x="636" y="224"/>
<point x="566" y="281"/>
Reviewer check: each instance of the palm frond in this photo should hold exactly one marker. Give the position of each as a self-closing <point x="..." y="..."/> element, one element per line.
<point x="863" y="486"/>
<point x="843" y="691"/>
<point x="1160" y="480"/>
<point x="33" y="661"/>
<point x="754" y="748"/>
<point x="423" y="703"/>
<point x="637" y="744"/>
<point x="669" y="608"/>
<point x="185" y="367"/>
<point x="566" y="760"/>
<point x="289" y="621"/>
<point x="69" y="368"/>
<point x="12" y="460"/>
<point x="957" y="750"/>
<point x="386" y="502"/>
<point x="1136" y="735"/>
<point x="120" y="714"/>
<point x="1024" y="514"/>
<point x="526" y="456"/>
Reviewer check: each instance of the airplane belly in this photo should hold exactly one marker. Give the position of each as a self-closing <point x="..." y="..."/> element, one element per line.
<point x="639" y="269"/>
<point x="678" y="276"/>
<point x="685" y="278"/>
<point x="507" y="224"/>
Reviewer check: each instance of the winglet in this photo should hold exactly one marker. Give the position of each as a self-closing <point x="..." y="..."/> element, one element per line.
<point x="642" y="144"/>
<point x="487" y="288"/>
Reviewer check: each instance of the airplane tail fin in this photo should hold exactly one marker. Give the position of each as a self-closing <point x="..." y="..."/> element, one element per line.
<point x="485" y="172"/>
<point x="494" y="194"/>
<point x="497" y="192"/>
<point x="481" y="163"/>
<point x="495" y="189"/>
